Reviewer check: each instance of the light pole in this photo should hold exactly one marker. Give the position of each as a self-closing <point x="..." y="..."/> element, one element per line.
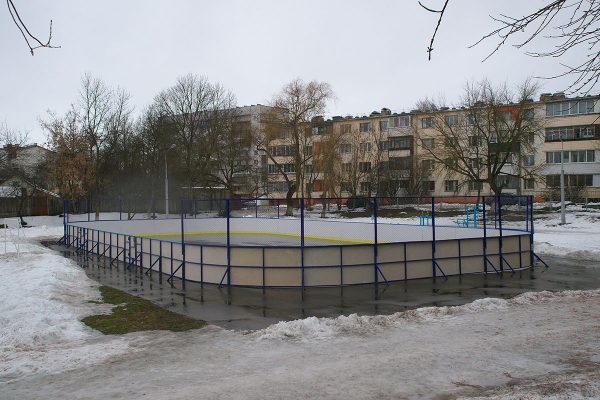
<point x="562" y="183"/>
<point x="167" y="181"/>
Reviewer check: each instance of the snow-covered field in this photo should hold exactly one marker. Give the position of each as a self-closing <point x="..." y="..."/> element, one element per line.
<point x="534" y="346"/>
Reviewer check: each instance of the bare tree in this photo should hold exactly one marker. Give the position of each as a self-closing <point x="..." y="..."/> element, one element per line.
<point x="565" y="25"/>
<point x="487" y="138"/>
<point x="33" y="43"/>
<point x="71" y="167"/>
<point x="188" y="106"/>
<point x="356" y="160"/>
<point x="230" y="162"/>
<point x="95" y="111"/>
<point x="302" y="102"/>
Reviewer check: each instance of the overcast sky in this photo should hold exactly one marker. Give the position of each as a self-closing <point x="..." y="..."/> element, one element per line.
<point x="372" y="52"/>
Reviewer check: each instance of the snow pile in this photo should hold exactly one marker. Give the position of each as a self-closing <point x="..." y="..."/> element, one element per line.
<point x="43" y="296"/>
<point x="312" y="328"/>
<point x="579" y="238"/>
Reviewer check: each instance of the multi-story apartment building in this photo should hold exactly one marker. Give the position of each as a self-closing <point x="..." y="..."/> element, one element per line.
<point x="572" y="127"/>
<point x="396" y="154"/>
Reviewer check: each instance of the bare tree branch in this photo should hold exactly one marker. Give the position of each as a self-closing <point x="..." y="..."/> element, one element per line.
<point x="32" y="41"/>
<point x="564" y="24"/>
<point x="441" y="12"/>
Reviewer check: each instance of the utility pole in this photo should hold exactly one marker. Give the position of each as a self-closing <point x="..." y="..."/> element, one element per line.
<point x="167" y="181"/>
<point x="562" y="183"/>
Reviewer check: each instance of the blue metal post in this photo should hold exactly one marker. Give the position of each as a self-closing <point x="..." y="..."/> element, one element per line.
<point x="227" y="210"/>
<point x="183" y="240"/>
<point x="89" y="207"/>
<point x="434" y="271"/>
<point x="499" y="202"/>
<point x="375" y="266"/>
<point x="531" y="252"/>
<point x="302" y="241"/>
<point x="65" y="211"/>
<point x="484" y="236"/>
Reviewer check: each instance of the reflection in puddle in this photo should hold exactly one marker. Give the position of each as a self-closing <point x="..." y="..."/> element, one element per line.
<point x="249" y="308"/>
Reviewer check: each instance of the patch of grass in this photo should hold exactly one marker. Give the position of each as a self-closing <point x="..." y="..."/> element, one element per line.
<point x="134" y="314"/>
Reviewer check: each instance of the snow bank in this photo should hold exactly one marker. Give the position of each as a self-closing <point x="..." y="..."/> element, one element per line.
<point x="579" y="238"/>
<point x="43" y="296"/>
<point x="313" y="328"/>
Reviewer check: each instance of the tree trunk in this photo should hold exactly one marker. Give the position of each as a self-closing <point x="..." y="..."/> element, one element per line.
<point x="289" y="201"/>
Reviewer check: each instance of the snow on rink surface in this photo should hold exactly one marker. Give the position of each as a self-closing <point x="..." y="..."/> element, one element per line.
<point x="535" y="346"/>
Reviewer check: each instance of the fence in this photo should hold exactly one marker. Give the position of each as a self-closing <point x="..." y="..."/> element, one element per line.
<point x="313" y="242"/>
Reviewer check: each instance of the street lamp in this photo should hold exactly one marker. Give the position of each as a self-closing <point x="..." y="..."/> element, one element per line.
<point x="167" y="181"/>
<point x="562" y="182"/>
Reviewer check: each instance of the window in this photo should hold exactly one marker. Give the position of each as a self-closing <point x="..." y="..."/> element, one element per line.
<point x="475" y="185"/>
<point x="528" y="183"/>
<point x="308" y="168"/>
<point x="400" y="163"/>
<point x="581" y="132"/>
<point x="429" y="186"/>
<point x="308" y="150"/>
<point x="397" y="122"/>
<point x="345" y="186"/>
<point x="272" y="169"/>
<point x="451" y="120"/>
<point x="428" y="165"/>
<point x="474" y="119"/>
<point x="451" y="186"/>
<point x="365" y="187"/>
<point x="427" y="122"/>
<point x="364" y="166"/>
<point x="553" y="157"/>
<point x="347" y="167"/>
<point x="289" y="168"/>
<point x="451" y="142"/>
<point x="528" y="114"/>
<point x="576" y="156"/>
<point x="364" y="127"/>
<point x="428" y="143"/>
<point x="346" y="148"/>
<point x="573" y="107"/>
<point x="284" y="150"/>
<point x="365" y="147"/>
<point x="277" y="186"/>
<point x="475" y="141"/>
<point x="474" y="163"/>
<point x="383" y="145"/>
<point x="283" y="134"/>
<point x="504" y="116"/>
<point x="529" y="139"/>
<point x="346" y="128"/>
<point x="383" y="125"/>
<point x="400" y="143"/>
<point x="570" y="180"/>
<point x="528" y="160"/>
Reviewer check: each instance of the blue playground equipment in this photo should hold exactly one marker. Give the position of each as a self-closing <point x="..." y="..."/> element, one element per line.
<point x="473" y="214"/>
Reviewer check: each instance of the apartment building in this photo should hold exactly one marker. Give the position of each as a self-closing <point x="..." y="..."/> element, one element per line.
<point x="398" y="154"/>
<point x="572" y="127"/>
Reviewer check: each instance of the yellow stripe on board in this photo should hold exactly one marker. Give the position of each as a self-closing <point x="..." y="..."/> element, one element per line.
<point x="294" y="235"/>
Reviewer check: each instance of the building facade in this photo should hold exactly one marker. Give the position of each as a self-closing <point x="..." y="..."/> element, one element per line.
<point x="402" y="154"/>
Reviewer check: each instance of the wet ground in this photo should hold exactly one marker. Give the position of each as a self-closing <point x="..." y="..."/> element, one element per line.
<point x="249" y="308"/>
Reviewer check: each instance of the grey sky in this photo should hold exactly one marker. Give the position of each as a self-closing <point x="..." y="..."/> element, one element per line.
<point x="371" y="52"/>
